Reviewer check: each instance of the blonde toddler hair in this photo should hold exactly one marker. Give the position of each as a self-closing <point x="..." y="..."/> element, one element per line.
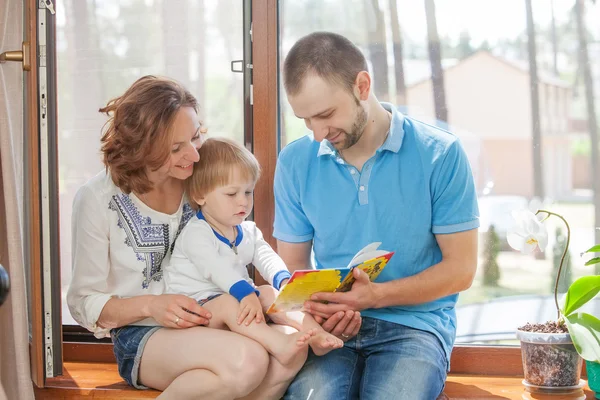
<point x="218" y="159"/>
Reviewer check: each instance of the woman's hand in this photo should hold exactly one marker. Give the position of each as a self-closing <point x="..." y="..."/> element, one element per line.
<point x="177" y="311"/>
<point x="343" y="324"/>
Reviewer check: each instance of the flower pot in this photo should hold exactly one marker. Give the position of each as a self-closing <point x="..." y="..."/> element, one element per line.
<point x="549" y="359"/>
<point x="593" y="373"/>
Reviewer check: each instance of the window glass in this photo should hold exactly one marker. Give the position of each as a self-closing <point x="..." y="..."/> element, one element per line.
<point x="103" y="46"/>
<point x="486" y="70"/>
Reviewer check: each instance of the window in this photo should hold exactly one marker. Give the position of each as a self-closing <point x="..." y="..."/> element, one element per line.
<point x="104" y="46"/>
<point x="486" y="81"/>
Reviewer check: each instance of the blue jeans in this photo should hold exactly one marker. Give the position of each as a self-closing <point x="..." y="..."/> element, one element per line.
<point x="384" y="361"/>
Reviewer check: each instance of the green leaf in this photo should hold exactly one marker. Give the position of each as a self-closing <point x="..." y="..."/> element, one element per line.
<point x="593" y="261"/>
<point x="585" y="333"/>
<point x="594" y="249"/>
<point x="580" y="292"/>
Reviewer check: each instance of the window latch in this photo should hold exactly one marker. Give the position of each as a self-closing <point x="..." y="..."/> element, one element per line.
<point x="48" y="5"/>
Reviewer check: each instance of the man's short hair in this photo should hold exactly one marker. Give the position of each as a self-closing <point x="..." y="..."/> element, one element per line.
<point x="328" y="55"/>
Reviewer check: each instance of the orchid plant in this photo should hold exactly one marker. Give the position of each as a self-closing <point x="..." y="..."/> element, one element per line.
<point x="529" y="233"/>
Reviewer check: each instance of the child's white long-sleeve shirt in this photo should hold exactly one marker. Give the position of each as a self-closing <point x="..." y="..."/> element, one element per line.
<point x="204" y="263"/>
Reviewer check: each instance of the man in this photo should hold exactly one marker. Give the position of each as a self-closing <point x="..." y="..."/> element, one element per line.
<point x="367" y="174"/>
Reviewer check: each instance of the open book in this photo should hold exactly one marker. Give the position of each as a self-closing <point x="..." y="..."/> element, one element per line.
<point x="304" y="283"/>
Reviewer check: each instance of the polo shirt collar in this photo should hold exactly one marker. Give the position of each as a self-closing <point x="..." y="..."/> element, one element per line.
<point x="238" y="238"/>
<point x="392" y="143"/>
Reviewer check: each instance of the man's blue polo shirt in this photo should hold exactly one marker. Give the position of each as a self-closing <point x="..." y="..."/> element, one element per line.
<point x="417" y="185"/>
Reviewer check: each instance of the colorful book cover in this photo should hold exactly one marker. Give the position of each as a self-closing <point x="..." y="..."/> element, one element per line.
<point x="304" y="283"/>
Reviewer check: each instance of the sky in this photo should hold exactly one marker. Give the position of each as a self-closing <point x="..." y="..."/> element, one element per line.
<point x="485" y="19"/>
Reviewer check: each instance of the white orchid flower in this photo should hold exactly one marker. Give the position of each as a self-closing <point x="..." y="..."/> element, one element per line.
<point x="528" y="234"/>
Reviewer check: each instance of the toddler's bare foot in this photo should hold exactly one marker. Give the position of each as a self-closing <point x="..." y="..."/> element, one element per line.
<point x="287" y="349"/>
<point x="323" y="342"/>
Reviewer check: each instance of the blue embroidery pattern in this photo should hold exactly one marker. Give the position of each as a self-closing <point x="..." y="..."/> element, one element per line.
<point x="188" y="213"/>
<point x="149" y="241"/>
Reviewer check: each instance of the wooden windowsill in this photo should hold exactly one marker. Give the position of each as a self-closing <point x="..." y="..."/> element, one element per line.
<point x="478" y="372"/>
<point x="466" y="360"/>
<point x="102" y="381"/>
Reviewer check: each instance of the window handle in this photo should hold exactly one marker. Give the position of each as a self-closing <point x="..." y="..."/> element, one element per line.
<point x="18" y="56"/>
<point x="4" y="284"/>
<point x="240" y="63"/>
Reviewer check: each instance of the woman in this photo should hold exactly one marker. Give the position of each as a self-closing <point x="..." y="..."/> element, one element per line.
<point x="125" y="221"/>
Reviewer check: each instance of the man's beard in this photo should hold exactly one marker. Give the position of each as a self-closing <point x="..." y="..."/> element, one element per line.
<point x="358" y="127"/>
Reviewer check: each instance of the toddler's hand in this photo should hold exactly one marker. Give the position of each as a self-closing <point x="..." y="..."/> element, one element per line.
<point x="250" y="310"/>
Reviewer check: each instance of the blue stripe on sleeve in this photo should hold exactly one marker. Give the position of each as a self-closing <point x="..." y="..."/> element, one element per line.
<point x="280" y="276"/>
<point x="241" y="289"/>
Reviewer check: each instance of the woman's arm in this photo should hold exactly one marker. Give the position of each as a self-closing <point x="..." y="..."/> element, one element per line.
<point x="88" y="291"/>
<point x="165" y="309"/>
<point x="90" y="302"/>
<point x="120" y="312"/>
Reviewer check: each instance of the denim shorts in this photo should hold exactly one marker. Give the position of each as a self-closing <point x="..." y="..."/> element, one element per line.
<point x="129" y="342"/>
<point x="209" y="298"/>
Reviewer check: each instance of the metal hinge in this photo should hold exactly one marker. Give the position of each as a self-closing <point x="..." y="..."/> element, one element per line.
<point x="43" y="7"/>
<point x="42" y="56"/>
<point x="47" y="4"/>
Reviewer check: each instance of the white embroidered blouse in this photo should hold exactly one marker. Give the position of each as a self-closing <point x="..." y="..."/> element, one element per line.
<point x="119" y="248"/>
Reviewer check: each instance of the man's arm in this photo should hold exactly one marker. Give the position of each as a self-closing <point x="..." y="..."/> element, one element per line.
<point x="453" y="274"/>
<point x="295" y="255"/>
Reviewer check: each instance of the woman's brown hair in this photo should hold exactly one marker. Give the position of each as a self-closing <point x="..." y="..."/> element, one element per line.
<point x="218" y="158"/>
<point x="138" y="133"/>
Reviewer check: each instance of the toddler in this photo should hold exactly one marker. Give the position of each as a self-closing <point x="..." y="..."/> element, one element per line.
<point x="211" y="254"/>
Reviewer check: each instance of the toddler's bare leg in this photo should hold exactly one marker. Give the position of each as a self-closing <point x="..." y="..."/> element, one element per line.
<point x="283" y="347"/>
<point x="321" y="343"/>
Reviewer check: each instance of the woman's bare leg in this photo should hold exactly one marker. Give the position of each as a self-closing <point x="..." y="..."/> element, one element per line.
<point x="202" y="363"/>
<point x="186" y="386"/>
<point x="321" y="343"/>
<point x="278" y="376"/>
<point x="284" y="347"/>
